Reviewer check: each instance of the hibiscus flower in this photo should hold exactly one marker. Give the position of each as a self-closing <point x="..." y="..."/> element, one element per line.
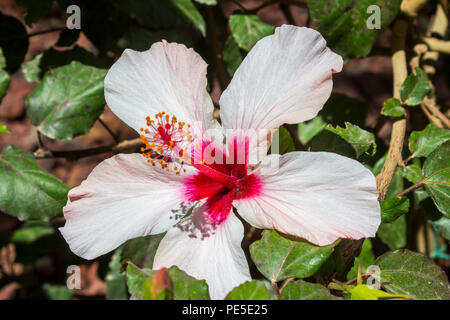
<point x="173" y="187"/>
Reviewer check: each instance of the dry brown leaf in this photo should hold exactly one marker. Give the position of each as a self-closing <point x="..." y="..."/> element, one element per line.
<point x="9" y="291"/>
<point x="91" y="284"/>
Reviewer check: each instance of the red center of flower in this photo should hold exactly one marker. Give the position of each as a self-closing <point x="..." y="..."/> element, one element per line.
<point x="223" y="179"/>
<point x="222" y="176"/>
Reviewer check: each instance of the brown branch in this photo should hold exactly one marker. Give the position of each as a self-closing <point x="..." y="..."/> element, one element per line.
<point x="363" y="276"/>
<point x="212" y="36"/>
<point x="275" y="289"/>
<point x="108" y="129"/>
<point x="412" y="7"/>
<point x="445" y="6"/>
<point x="408" y="8"/>
<point x="438" y="28"/>
<point x="399" y="31"/>
<point x="243" y="9"/>
<point x="430" y="117"/>
<point x="419" y="49"/>
<point x="272" y="2"/>
<point x="428" y="56"/>
<point x="285" y="283"/>
<point x="124" y="146"/>
<point x="400" y="72"/>
<point x="44" y="32"/>
<point x="286" y="9"/>
<point x="438" y="45"/>
<point x="295" y="3"/>
<point x="262" y="6"/>
<point x="411" y="188"/>
<point x="436" y="112"/>
<point x="39" y="136"/>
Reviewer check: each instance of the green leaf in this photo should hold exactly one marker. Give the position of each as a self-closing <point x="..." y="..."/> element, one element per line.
<point x="141" y="251"/>
<point x="363" y="292"/>
<point x="366" y="257"/>
<point x="32" y="231"/>
<point x="247" y="29"/>
<point x="4" y="129"/>
<point x="232" y="55"/>
<point x="4" y="77"/>
<point x="28" y="191"/>
<point x="393" y="108"/>
<point x="392" y="208"/>
<point x="376" y="169"/>
<point x="207" y="2"/>
<point x="361" y="140"/>
<point x="343" y="23"/>
<point x="282" y="141"/>
<point x="31" y="70"/>
<point x="422" y="143"/>
<point x="309" y="129"/>
<point x="35" y="9"/>
<point x="57" y="292"/>
<point x="436" y="170"/>
<point x="330" y="142"/>
<point x="397" y="184"/>
<point x="67" y="101"/>
<point x="412" y="173"/>
<point x="443" y="226"/>
<point x="415" y="88"/>
<point x="13" y="41"/>
<point x="302" y="290"/>
<point x="186" y="287"/>
<point x="279" y="258"/>
<point x="413" y="274"/>
<point x="342" y="259"/>
<point x="419" y="195"/>
<point x="250" y="290"/>
<point x="188" y="9"/>
<point x="2" y="60"/>
<point x="137" y="280"/>
<point x="115" y="280"/>
<point x="337" y="110"/>
<point x="393" y="234"/>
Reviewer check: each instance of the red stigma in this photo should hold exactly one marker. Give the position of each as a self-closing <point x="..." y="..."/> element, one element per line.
<point x="222" y="182"/>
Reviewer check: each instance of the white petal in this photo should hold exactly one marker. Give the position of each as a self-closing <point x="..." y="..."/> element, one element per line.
<point x="318" y="196"/>
<point x="167" y="77"/>
<point x="285" y="78"/>
<point x="217" y="258"/>
<point x="123" y="198"/>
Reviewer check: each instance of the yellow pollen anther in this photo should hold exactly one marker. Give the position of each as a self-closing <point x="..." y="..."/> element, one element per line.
<point x="166" y="142"/>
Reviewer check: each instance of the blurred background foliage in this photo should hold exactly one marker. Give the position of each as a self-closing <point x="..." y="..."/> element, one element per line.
<point x="52" y="134"/>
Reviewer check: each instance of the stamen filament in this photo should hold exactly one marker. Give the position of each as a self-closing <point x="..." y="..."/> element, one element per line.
<point x="165" y="142"/>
